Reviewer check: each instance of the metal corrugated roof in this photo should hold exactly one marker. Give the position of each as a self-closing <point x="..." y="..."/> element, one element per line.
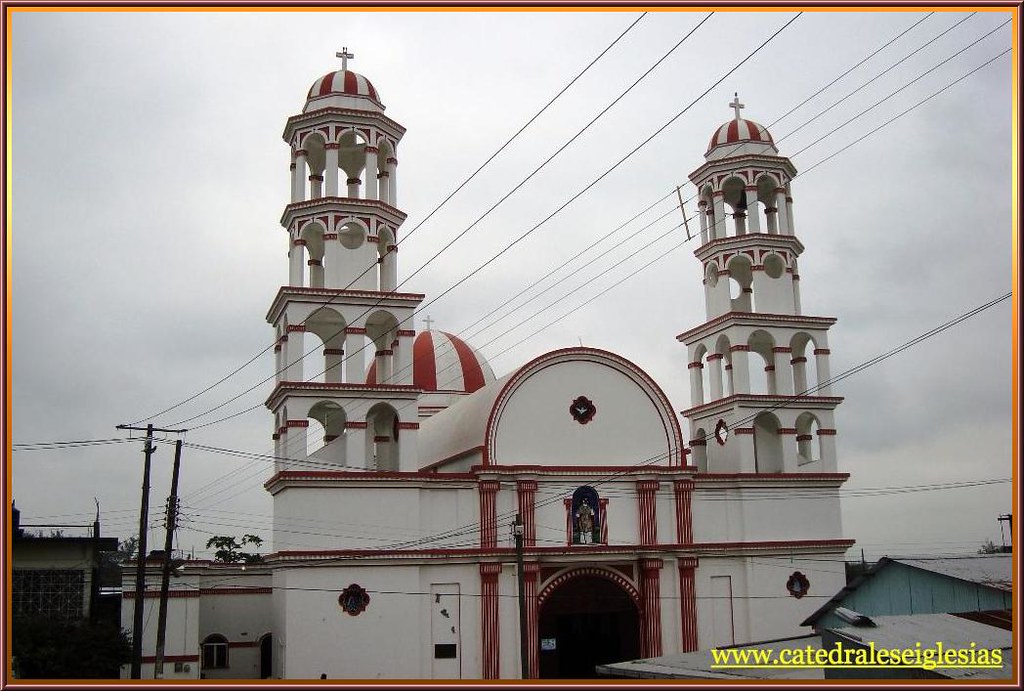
<point x="905" y="631"/>
<point x="994" y="570"/>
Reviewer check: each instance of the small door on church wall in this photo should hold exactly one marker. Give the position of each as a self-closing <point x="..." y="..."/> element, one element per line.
<point x="445" y="631"/>
<point x="722" y="622"/>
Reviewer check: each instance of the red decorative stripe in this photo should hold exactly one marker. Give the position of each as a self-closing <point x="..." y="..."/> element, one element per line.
<point x="732" y="133"/>
<point x="297" y="423"/>
<point x="827" y="432"/>
<point x="172" y="658"/>
<point x="424" y="363"/>
<point x="355" y="425"/>
<point x="472" y="373"/>
<point x="351" y="83"/>
<point x="687" y="607"/>
<point x="408" y="425"/>
<point x="695" y="365"/>
<point x="326" y="84"/>
<point x="154" y="594"/>
<point x="249" y="590"/>
<point x="822" y="351"/>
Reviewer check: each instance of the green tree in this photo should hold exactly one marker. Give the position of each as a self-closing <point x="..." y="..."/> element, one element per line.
<point x="989" y="547"/>
<point x="229" y="550"/>
<point x="47" y="648"/>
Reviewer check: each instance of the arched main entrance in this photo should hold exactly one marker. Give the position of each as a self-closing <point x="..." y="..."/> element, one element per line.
<point x="586" y="619"/>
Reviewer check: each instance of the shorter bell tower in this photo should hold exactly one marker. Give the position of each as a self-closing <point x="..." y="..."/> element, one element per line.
<point x="759" y="367"/>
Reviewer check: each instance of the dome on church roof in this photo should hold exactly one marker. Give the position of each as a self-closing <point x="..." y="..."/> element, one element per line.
<point x="738" y="131"/>
<point x="443" y="362"/>
<point x="343" y="83"/>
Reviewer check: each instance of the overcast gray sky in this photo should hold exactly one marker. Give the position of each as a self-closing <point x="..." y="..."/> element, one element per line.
<point x="149" y="176"/>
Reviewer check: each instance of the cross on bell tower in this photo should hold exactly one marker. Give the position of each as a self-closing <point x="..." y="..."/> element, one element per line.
<point x="345" y="57"/>
<point x="736" y="105"/>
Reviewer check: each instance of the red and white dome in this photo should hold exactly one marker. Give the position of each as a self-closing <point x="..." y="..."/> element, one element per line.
<point x="343" y="83"/>
<point x="443" y="362"/>
<point x="738" y="131"/>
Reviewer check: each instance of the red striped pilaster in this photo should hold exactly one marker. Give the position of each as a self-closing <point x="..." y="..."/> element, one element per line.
<point x="604" y="520"/>
<point x="568" y="520"/>
<point x="532" y="575"/>
<point x="488" y="513"/>
<point x="688" y="604"/>
<point x="525" y="492"/>
<point x="684" y="513"/>
<point x="645" y="490"/>
<point x="650" y="597"/>
<point x="489" y="617"/>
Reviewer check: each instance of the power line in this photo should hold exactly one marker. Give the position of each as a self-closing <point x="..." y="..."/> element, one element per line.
<point x="523" y="236"/>
<point x="858" y="139"/>
<point x="428" y="217"/>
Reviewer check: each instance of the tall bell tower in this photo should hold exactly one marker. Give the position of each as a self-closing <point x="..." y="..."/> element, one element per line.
<point x="757" y="362"/>
<point x="340" y="301"/>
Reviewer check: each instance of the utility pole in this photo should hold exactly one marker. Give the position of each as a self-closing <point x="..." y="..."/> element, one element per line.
<point x="1008" y="517"/>
<point x="165" y="578"/>
<point x="518" y="530"/>
<point x="140" y="565"/>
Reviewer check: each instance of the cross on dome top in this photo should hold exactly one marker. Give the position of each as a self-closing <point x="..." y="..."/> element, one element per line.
<point x="345" y="57"/>
<point x="736" y="105"/>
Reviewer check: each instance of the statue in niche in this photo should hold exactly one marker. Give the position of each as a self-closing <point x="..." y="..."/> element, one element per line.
<point x="586" y="528"/>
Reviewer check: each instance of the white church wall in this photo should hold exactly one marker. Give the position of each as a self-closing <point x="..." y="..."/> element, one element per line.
<point x="665" y="514"/>
<point x="775" y="613"/>
<point x="753" y="513"/>
<point x="720" y="583"/>
<point x="535" y="426"/>
<point x="242" y="618"/>
<point x="761" y="607"/>
<point x="386" y="641"/>
<point x="401" y="513"/>
<point x="182" y="633"/>
<point x="453" y="603"/>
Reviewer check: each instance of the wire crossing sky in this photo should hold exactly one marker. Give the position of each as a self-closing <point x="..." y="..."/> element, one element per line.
<point x="149" y="184"/>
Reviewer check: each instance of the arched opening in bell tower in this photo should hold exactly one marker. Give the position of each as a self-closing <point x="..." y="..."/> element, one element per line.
<point x="807" y="439"/>
<point x="352" y="164"/>
<point x="329" y="326"/>
<point x="762" y="363"/>
<point x="723" y="353"/>
<point x="325" y="440"/>
<point x="733" y="194"/>
<point x="387" y="259"/>
<point x="768" y="452"/>
<point x="740" y="280"/>
<point x="766" y="185"/>
<point x="313" y="234"/>
<point x="382" y="440"/>
<point x="382" y="330"/>
<point x="805" y="369"/>
<point x="314" y="145"/>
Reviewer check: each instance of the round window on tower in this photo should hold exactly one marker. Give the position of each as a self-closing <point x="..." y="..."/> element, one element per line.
<point x="351" y="236"/>
<point x="712" y="274"/>
<point x="774" y="266"/>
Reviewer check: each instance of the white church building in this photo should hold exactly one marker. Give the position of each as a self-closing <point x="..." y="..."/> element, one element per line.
<point x="392" y="555"/>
